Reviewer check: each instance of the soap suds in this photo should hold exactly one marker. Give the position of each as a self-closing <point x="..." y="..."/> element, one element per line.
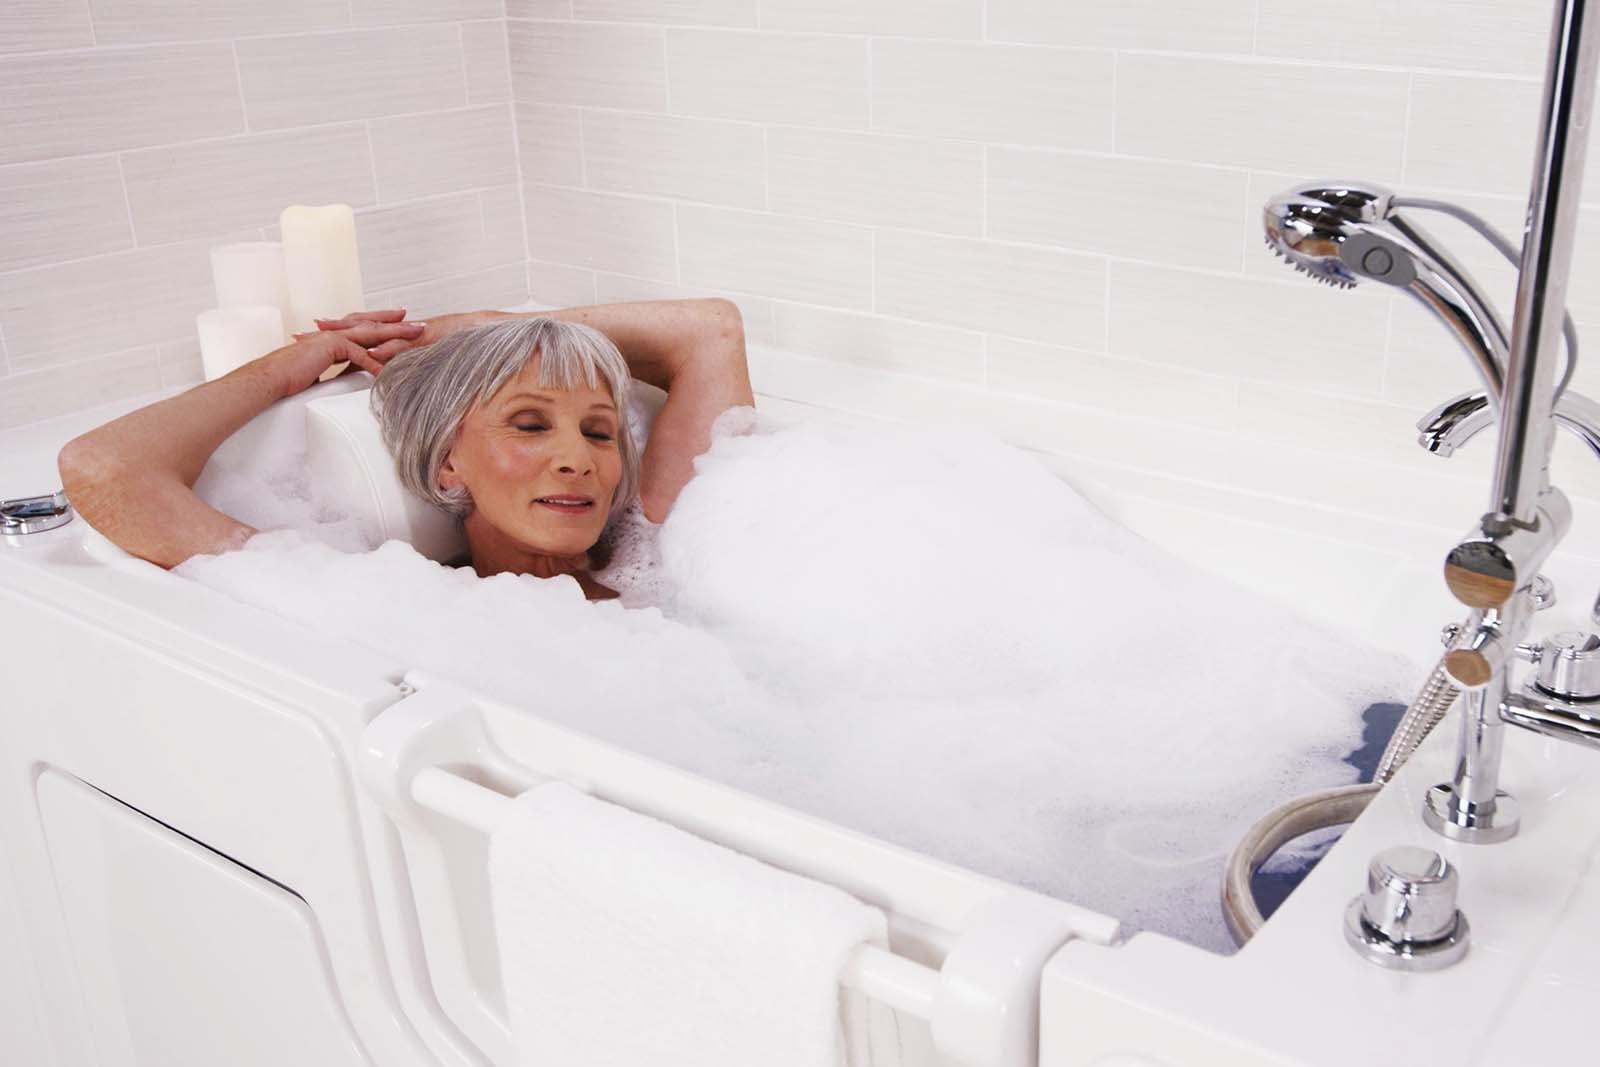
<point x="926" y="636"/>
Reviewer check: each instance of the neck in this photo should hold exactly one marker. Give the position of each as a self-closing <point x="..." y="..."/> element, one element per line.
<point x="494" y="553"/>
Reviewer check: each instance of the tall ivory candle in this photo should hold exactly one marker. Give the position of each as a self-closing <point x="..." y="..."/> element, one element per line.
<point x="250" y="273"/>
<point x="232" y="337"/>
<point x="319" y="256"/>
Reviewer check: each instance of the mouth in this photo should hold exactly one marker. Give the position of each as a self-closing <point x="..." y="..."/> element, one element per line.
<point x="567" y="505"/>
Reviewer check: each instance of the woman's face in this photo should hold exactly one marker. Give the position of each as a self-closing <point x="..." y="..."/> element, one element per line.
<point x="541" y="465"/>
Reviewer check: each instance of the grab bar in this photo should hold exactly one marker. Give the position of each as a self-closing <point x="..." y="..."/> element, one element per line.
<point x="873" y="971"/>
<point x="426" y="757"/>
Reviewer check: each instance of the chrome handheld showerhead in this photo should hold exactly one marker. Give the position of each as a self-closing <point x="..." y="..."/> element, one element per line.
<point x="1330" y="231"/>
<point x="1341" y="233"/>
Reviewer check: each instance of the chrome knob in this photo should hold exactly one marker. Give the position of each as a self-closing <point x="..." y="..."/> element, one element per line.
<point x="1407" y="919"/>
<point x="1569" y="666"/>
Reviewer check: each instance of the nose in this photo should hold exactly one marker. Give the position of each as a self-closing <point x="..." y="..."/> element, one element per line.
<point x="572" y="455"/>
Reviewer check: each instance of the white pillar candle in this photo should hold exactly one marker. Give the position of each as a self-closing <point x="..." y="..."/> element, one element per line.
<point x="324" y="271"/>
<point x="250" y="274"/>
<point x="232" y="337"/>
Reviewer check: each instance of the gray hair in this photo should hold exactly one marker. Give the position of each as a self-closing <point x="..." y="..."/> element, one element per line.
<point x="425" y="393"/>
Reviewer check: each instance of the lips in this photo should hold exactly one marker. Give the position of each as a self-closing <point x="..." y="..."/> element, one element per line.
<point x="566" y="505"/>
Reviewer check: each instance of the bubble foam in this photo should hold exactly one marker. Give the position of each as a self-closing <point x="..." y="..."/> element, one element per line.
<point x="924" y="636"/>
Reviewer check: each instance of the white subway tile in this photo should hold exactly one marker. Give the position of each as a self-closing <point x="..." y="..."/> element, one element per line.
<point x="1164" y="25"/>
<point x="877" y="180"/>
<point x="488" y="58"/>
<point x="601" y="230"/>
<point x="1308" y="336"/>
<point x="80" y="103"/>
<point x="1273" y="116"/>
<point x="1110" y="384"/>
<point x="687" y="159"/>
<point x="1425" y="366"/>
<point x="1167" y="212"/>
<point x="796" y="79"/>
<point x="505" y="235"/>
<point x="39" y="25"/>
<point x="61" y="210"/>
<point x="413" y="243"/>
<point x="1036" y="293"/>
<point x="76" y="310"/>
<point x="993" y="92"/>
<point x="894" y="18"/>
<point x="208" y="187"/>
<point x="876" y="341"/>
<point x="1472" y="133"/>
<point x="59" y="390"/>
<point x="1471" y="35"/>
<point x="580" y="63"/>
<point x="539" y="9"/>
<point x="755" y="311"/>
<point x="682" y="12"/>
<point x="551" y="144"/>
<point x="1364" y="429"/>
<point x="497" y="287"/>
<point x="149" y="21"/>
<point x="386" y="12"/>
<point x="773" y="255"/>
<point x="180" y="362"/>
<point x="561" y="285"/>
<point x="357" y="74"/>
<point x="425" y="155"/>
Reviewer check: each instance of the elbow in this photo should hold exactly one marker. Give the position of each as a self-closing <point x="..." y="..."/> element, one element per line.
<point x="86" y="469"/>
<point x="724" y="324"/>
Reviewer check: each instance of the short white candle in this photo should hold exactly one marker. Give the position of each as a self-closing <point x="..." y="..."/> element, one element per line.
<point x="250" y="273"/>
<point x="232" y="337"/>
<point x="323" y="267"/>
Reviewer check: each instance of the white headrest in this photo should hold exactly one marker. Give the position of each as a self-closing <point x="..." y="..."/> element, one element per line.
<point x="350" y="464"/>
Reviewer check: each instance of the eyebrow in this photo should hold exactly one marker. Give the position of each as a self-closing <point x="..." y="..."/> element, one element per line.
<point x="606" y="405"/>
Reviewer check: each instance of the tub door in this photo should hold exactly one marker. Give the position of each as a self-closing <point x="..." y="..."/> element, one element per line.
<point x="186" y="959"/>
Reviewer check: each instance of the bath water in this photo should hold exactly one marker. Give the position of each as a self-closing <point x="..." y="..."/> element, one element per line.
<point x="926" y="636"/>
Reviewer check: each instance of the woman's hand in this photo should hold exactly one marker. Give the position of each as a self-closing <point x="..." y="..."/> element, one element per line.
<point x="367" y="344"/>
<point x="435" y="329"/>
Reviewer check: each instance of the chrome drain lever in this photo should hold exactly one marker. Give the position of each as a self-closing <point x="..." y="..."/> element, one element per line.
<point x="34" y="514"/>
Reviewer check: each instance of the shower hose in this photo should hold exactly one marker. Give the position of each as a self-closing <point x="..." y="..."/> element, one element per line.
<point x="1327" y="807"/>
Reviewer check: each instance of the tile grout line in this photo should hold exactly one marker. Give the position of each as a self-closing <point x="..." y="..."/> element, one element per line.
<point x="94" y="34"/>
<point x="1405" y="128"/>
<point x="461" y="50"/>
<point x="372" y="162"/>
<point x="522" y="177"/>
<point x="127" y="205"/>
<point x="238" y="78"/>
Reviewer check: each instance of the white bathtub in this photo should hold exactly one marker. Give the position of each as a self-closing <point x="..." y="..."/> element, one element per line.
<point x="213" y="851"/>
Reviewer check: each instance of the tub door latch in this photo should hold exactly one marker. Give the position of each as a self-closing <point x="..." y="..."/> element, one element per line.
<point x="34" y="514"/>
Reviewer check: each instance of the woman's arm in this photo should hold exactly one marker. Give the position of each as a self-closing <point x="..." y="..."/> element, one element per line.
<point x="694" y="349"/>
<point x="131" y="479"/>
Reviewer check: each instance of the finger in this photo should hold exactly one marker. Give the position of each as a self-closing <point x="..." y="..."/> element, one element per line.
<point x="389" y="349"/>
<point x="368" y="334"/>
<point x="361" y="358"/>
<point x="386" y="315"/>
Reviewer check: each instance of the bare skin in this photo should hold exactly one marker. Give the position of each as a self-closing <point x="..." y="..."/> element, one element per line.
<point x="132" y="478"/>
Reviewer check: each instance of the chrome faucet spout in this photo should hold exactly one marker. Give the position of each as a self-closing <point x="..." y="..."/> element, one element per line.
<point x="1461" y="418"/>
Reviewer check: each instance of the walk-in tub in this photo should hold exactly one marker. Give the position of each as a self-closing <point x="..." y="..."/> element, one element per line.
<point x="227" y="840"/>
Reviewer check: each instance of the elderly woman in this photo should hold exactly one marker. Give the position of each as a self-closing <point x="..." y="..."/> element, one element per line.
<point x="516" y="424"/>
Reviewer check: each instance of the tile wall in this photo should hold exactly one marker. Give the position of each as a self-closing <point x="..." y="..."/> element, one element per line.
<point x="1049" y="199"/>
<point x="135" y="134"/>
<point x="1052" y="201"/>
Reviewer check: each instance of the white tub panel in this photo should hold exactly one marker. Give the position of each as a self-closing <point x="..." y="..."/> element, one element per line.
<point x="23" y="1037"/>
<point x="186" y="959"/>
